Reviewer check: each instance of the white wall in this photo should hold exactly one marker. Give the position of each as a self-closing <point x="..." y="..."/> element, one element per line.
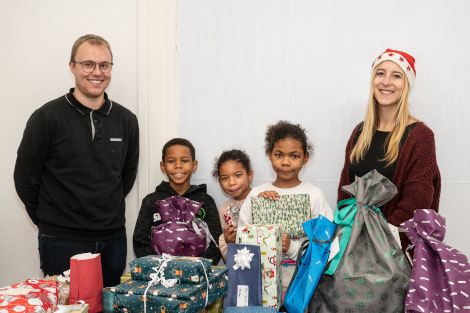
<point x="245" y="64"/>
<point x="35" y="42"/>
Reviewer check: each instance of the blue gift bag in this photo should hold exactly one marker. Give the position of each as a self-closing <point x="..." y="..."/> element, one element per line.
<point x="310" y="265"/>
<point x="244" y="276"/>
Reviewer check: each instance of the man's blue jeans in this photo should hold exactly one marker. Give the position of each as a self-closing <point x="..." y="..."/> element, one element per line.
<point x="55" y="254"/>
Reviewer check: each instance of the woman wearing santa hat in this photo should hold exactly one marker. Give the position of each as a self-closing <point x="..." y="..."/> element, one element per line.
<point x="393" y="142"/>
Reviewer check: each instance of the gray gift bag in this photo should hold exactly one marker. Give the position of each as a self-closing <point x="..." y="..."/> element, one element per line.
<point x="370" y="273"/>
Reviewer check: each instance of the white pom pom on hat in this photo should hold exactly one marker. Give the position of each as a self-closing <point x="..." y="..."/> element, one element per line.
<point x="404" y="60"/>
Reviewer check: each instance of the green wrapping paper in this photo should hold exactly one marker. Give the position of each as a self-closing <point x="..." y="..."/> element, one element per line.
<point x="180" y="291"/>
<point x="370" y="273"/>
<point x="182" y="298"/>
<point x="134" y="303"/>
<point x="288" y="211"/>
<point x="186" y="269"/>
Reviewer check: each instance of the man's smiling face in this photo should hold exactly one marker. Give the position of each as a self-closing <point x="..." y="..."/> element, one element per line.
<point x="91" y="85"/>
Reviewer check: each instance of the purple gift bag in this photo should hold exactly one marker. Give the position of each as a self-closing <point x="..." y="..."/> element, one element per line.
<point x="180" y="234"/>
<point x="440" y="278"/>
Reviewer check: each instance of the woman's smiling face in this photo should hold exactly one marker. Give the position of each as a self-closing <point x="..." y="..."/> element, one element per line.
<point x="388" y="83"/>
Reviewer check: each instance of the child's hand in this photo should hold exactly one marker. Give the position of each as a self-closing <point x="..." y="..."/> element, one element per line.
<point x="285" y="243"/>
<point x="230" y="233"/>
<point x="271" y="194"/>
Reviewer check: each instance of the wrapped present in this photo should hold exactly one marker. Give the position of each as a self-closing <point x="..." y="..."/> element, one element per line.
<point x="288" y="211"/>
<point x="440" y="277"/>
<point x="186" y="269"/>
<point x="310" y="265"/>
<point x="232" y="214"/>
<point x="133" y="295"/>
<point x="268" y="238"/>
<point x="181" y="231"/>
<point x="125" y="277"/>
<point x="79" y="307"/>
<point x="30" y="296"/>
<point x="108" y="300"/>
<point x="250" y="309"/>
<point x="370" y="272"/>
<point x="244" y="275"/>
<point x="63" y="281"/>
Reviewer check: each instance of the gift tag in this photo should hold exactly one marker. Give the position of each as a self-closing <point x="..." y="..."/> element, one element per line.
<point x="242" y="295"/>
<point x="395" y="233"/>
<point x="334" y="248"/>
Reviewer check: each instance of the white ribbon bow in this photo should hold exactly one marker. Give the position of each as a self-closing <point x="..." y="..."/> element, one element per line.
<point x="159" y="277"/>
<point x="243" y="259"/>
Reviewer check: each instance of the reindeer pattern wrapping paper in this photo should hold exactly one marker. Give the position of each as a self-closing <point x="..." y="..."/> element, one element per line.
<point x="182" y="298"/>
<point x="186" y="269"/>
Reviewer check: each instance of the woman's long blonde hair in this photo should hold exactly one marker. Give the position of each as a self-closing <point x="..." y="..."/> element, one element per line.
<point x="372" y="121"/>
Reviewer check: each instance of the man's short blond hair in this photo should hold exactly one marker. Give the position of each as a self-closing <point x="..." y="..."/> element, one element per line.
<point x="91" y="39"/>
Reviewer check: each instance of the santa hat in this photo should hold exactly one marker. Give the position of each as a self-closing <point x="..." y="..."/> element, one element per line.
<point x="404" y="60"/>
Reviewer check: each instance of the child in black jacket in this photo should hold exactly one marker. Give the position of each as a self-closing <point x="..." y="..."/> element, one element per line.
<point x="178" y="162"/>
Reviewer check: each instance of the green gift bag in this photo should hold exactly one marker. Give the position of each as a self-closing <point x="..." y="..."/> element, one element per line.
<point x="370" y="273"/>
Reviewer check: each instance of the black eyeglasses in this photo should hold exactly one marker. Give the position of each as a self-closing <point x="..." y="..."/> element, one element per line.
<point x="89" y="66"/>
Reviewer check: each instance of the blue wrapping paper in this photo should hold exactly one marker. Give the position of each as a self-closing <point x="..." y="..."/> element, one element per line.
<point x="320" y="233"/>
<point x="240" y="278"/>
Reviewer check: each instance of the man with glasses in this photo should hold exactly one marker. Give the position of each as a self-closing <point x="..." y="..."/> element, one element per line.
<point x="76" y="163"/>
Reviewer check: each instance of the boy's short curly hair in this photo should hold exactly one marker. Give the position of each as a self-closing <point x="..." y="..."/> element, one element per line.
<point x="179" y="142"/>
<point x="284" y="130"/>
<point x="231" y="155"/>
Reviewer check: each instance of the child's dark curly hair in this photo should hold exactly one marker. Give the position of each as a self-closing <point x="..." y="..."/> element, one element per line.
<point x="231" y="155"/>
<point x="179" y="142"/>
<point x="284" y="130"/>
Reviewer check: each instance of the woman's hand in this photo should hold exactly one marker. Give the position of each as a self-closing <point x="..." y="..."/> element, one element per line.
<point x="230" y="233"/>
<point x="285" y="243"/>
<point x="271" y="194"/>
